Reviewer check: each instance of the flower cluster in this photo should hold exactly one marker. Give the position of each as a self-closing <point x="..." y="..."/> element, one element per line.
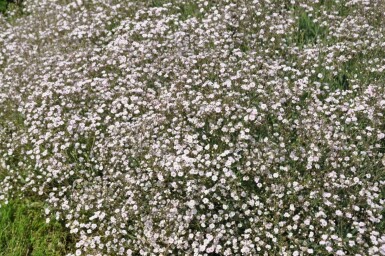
<point x="196" y="127"/>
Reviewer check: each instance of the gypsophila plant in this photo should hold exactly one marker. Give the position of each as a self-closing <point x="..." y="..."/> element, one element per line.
<point x="196" y="127"/>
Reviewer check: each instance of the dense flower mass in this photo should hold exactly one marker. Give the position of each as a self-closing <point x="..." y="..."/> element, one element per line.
<point x="197" y="127"/>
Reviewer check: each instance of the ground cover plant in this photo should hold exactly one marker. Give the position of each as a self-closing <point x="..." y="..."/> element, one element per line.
<point x="178" y="127"/>
<point x="25" y="231"/>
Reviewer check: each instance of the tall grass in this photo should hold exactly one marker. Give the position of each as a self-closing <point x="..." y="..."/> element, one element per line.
<point x="25" y="231"/>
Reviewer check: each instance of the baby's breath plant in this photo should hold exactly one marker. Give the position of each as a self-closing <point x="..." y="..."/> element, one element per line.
<point x="185" y="127"/>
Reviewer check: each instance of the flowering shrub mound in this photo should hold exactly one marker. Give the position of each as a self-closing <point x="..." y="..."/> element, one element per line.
<point x="188" y="127"/>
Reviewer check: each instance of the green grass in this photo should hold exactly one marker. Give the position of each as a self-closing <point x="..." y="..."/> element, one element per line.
<point x="3" y="6"/>
<point x="24" y="231"/>
<point x="308" y="31"/>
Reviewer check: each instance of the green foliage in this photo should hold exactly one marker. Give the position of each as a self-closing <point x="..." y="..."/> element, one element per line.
<point x="24" y="231"/>
<point x="342" y="81"/>
<point x="3" y="6"/>
<point x="308" y="30"/>
<point x="189" y="9"/>
<point x="12" y="10"/>
<point x="185" y="9"/>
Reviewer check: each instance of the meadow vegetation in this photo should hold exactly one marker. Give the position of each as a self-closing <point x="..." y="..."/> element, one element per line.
<point x="181" y="127"/>
<point x="25" y="231"/>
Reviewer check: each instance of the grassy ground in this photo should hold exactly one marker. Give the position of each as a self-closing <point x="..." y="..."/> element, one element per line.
<point x="23" y="231"/>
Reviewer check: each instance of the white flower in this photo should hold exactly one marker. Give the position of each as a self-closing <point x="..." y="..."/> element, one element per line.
<point x="227" y="83"/>
<point x="191" y="204"/>
<point x="339" y="213"/>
